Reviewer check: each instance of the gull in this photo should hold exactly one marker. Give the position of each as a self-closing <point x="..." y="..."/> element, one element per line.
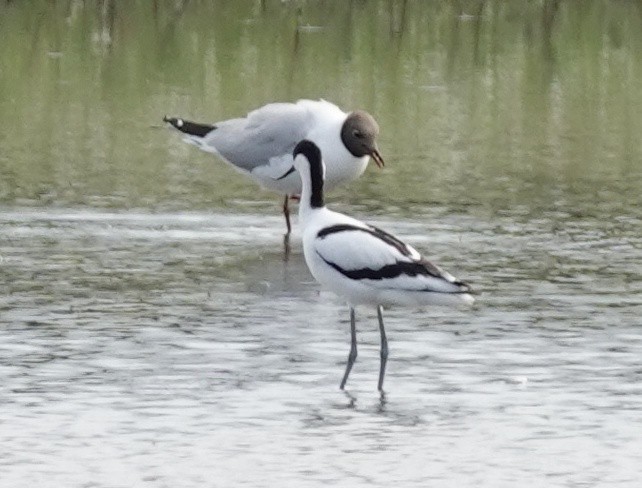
<point x="260" y="144"/>
<point x="363" y="264"/>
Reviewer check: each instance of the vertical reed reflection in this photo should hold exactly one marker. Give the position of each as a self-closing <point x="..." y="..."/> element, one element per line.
<point x="466" y="92"/>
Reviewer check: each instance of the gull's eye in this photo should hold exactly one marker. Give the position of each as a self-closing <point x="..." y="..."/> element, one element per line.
<point x="357" y="134"/>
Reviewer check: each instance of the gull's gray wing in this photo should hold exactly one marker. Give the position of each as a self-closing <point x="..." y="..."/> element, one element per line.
<point x="265" y="137"/>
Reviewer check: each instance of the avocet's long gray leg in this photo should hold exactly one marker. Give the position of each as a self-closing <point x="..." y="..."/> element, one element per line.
<point x="353" y="348"/>
<point x="384" y="348"/>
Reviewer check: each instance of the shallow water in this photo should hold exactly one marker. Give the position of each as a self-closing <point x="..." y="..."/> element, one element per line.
<point x="183" y="350"/>
<point x="152" y="332"/>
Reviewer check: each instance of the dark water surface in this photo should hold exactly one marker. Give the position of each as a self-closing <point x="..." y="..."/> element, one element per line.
<point x="151" y="331"/>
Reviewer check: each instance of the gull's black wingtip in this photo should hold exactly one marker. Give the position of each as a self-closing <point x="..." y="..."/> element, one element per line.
<point x="173" y="121"/>
<point x="190" y="128"/>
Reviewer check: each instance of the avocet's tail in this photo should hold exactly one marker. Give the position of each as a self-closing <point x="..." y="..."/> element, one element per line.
<point x="455" y="291"/>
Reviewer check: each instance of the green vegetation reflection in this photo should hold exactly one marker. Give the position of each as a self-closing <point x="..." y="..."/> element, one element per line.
<point x="482" y="104"/>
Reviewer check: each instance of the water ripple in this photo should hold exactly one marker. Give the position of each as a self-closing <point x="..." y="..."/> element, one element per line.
<point x="177" y="349"/>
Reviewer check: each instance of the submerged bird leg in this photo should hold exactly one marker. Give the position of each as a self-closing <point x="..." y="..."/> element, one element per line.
<point x="286" y="236"/>
<point x="286" y="248"/>
<point x="286" y="214"/>
<point x="353" y="348"/>
<point x="384" y="348"/>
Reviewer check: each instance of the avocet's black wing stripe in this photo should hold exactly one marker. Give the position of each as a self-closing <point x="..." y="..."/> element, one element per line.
<point x="388" y="271"/>
<point x="401" y="270"/>
<point x="333" y="229"/>
<point x="373" y="231"/>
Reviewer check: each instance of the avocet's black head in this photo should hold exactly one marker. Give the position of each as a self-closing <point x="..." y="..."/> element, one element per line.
<point x="311" y="166"/>
<point x="359" y="135"/>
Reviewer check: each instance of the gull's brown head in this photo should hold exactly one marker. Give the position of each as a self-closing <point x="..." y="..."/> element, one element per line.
<point x="359" y="135"/>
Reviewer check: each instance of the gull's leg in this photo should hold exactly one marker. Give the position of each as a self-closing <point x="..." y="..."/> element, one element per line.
<point x="286" y="214"/>
<point x="353" y="347"/>
<point x="384" y="348"/>
<point x="286" y="236"/>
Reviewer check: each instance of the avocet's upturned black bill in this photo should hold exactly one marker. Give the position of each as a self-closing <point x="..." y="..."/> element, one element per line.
<point x="364" y="264"/>
<point x="261" y="143"/>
